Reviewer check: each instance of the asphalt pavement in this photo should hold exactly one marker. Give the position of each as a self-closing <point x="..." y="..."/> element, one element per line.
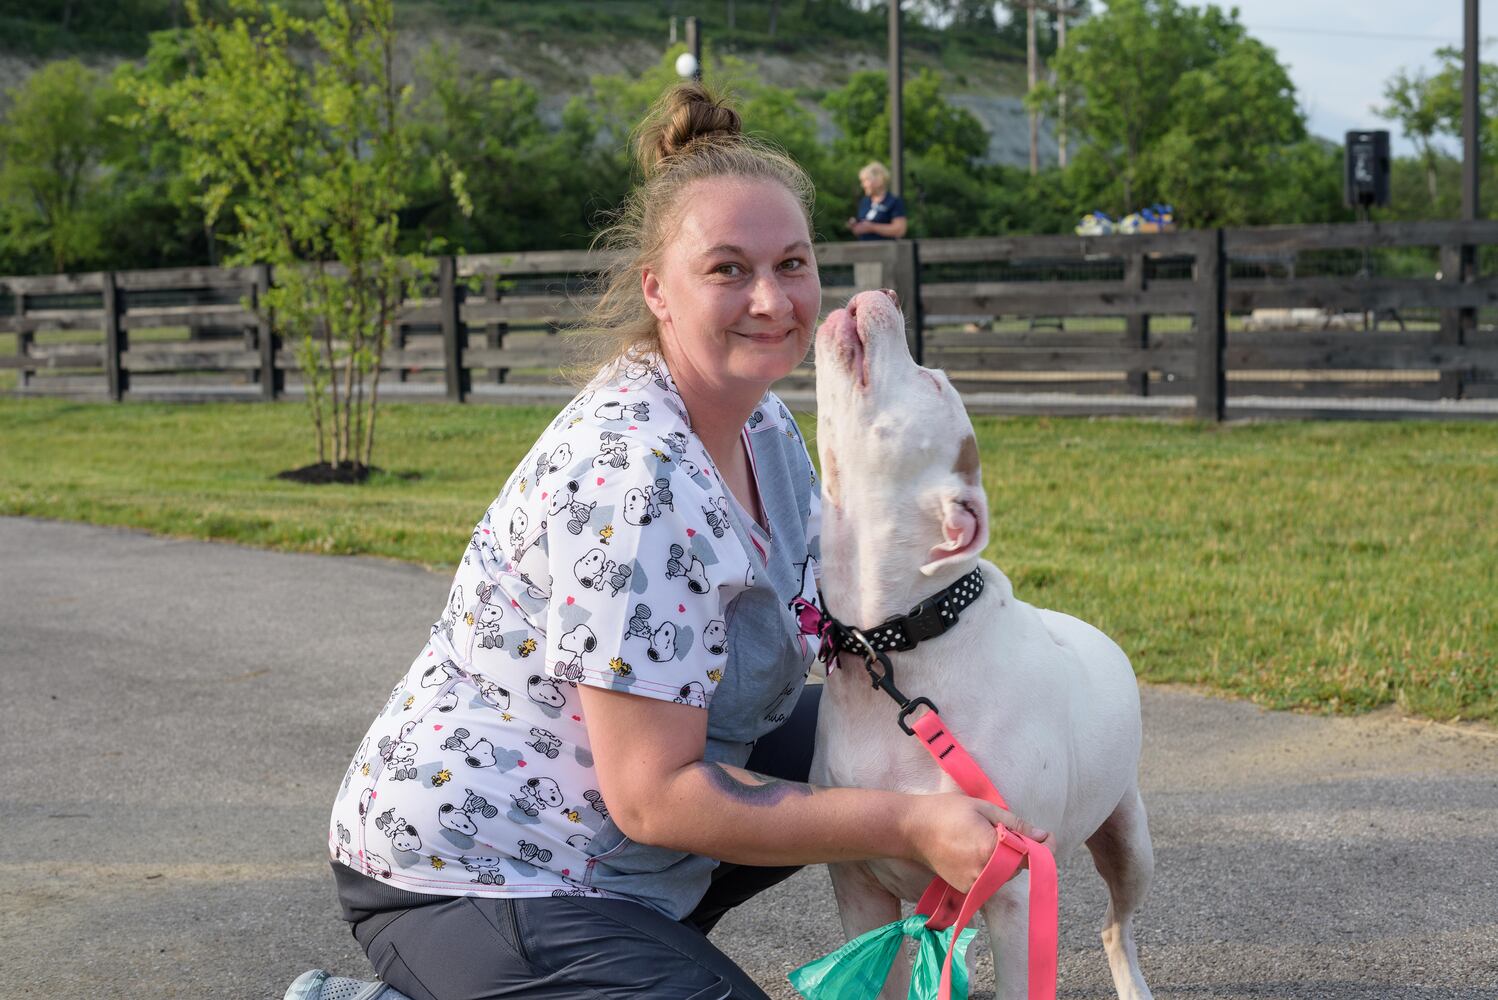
<point x="178" y="714"/>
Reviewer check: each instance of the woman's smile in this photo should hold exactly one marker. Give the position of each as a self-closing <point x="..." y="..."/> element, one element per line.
<point x="770" y="337"/>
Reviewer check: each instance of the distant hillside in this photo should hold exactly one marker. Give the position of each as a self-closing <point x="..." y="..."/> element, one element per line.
<point x="558" y="47"/>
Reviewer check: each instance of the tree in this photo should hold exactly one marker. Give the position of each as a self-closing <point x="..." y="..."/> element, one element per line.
<point x="39" y="27"/>
<point x="529" y="186"/>
<point x="1429" y="106"/>
<point x="930" y="126"/>
<point x="53" y="143"/>
<point x="1177" y="104"/>
<point x="154" y="216"/>
<point x="313" y="158"/>
<point x="1225" y="152"/>
<point x="1416" y="106"/>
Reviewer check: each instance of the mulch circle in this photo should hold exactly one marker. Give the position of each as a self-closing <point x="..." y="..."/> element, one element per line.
<point x="319" y="473"/>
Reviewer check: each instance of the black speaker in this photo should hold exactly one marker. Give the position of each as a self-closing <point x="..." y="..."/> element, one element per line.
<point x="1366" y="175"/>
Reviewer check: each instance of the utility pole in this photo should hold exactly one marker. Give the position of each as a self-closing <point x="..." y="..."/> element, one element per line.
<point x="1471" y="146"/>
<point x="1061" y="95"/>
<point x="1031" y="59"/>
<point x="1032" y="63"/>
<point x="896" y="103"/>
<point x="694" y="45"/>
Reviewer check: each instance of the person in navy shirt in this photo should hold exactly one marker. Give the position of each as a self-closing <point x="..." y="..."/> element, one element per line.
<point x="881" y="215"/>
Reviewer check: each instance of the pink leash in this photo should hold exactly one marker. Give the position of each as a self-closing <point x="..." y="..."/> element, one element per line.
<point x="945" y="906"/>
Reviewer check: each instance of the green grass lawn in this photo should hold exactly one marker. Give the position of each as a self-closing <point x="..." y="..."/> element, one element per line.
<point x="1331" y="567"/>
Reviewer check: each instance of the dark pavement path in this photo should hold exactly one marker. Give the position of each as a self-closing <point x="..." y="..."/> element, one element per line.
<point x="178" y="714"/>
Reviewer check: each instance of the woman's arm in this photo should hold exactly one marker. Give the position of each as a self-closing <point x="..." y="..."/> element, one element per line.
<point x="648" y="756"/>
<point x="893" y="229"/>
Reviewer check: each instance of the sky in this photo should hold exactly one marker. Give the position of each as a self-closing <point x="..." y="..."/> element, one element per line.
<point x="1340" y="53"/>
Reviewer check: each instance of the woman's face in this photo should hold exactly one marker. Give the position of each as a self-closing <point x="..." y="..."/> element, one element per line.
<point x="873" y="184"/>
<point x="736" y="295"/>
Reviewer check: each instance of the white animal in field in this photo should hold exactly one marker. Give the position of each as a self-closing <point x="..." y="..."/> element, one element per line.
<point x="1046" y="704"/>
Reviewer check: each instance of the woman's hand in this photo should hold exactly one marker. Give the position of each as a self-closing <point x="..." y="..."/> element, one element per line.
<point x="954" y="835"/>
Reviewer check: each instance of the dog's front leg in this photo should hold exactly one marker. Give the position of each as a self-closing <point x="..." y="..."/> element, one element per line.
<point x="1007" y="915"/>
<point x="864" y="904"/>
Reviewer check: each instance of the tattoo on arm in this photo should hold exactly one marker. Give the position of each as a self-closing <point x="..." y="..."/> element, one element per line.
<point x="763" y="791"/>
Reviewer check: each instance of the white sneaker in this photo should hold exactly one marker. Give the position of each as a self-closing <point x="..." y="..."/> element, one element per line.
<point x="315" y="984"/>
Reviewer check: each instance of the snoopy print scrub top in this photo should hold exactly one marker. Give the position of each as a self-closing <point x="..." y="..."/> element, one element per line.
<point x="613" y="557"/>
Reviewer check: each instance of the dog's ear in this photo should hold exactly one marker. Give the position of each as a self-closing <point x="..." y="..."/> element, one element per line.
<point x="964" y="527"/>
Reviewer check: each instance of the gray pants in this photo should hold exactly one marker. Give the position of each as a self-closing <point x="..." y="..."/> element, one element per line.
<point x="550" y="948"/>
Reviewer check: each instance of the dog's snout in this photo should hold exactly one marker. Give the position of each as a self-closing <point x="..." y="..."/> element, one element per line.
<point x="892" y="296"/>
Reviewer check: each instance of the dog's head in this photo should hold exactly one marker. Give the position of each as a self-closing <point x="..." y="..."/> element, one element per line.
<point x="895" y="440"/>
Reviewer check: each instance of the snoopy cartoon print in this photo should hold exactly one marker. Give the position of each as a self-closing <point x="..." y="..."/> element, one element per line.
<point x="578" y="403"/>
<point x="486" y="626"/>
<point x="520" y="523"/>
<point x="691" y="693"/>
<point x="637" y="507"/>
<point x="693" y="570"/>
<point x="578" y="641"/>
<point x="545" y="692"/>
<point x="715" y="637"/>
<point x="559" y="457"/>
<point x="618" y="578"/>
<point x="486" y="869"/>
<point x="619" y="410"/>
<point x="661" y="496"/>
<point x="399" y="753"/>
<point x="460" y="819"/>
<point x="613" y="453"/>
<point x="578" y="513"/>
<point x="355" y="764"/>
<point x="537" y="794"/>
<point x="449" y="619"/>
<point x="593" y="569"/>
<point x="403" y="836"/>
<point x="532" y="854"/>
<point x="479" y="753"/>
<point x="544" y="742"/>
<point x="717" y="516"/>
<point x="492" y="695"/>
<point x="439" y="674"/>
<point x="660" y="642"/>
<point x="481" y="543"/>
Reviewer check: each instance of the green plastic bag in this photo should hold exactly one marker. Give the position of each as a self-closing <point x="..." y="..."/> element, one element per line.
<point x="857" y="970"/>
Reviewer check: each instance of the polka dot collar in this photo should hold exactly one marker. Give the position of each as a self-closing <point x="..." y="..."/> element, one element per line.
<point x="926" y="620"/>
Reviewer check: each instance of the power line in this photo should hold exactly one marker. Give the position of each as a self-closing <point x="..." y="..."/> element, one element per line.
<point x="1387" y="36"/>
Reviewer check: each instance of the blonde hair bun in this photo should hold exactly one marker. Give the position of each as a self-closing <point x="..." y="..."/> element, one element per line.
<point x="687" y="113"/>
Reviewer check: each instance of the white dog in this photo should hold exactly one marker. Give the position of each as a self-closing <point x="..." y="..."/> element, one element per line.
<point x="1046" y="704"/>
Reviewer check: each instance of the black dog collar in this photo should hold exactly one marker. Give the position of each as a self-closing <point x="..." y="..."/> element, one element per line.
<point x="927" y="620"/>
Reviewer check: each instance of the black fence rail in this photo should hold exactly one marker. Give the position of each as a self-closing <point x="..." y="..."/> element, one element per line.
<point x="1194" y="321"/>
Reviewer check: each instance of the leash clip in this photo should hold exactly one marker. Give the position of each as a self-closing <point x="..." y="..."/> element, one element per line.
<point x="884" y="679"/>
<point x="911" y="706"/>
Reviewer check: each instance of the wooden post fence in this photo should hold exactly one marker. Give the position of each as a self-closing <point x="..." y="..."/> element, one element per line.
<point x="1211" y="327"/>
<point x="459" y="382"/>
<point x="1122" y="317"/>
<point x="1458" y="266"/>
<point x="267" y="341"/>
<point x="1136" y="325"/>
<point x="24" y="338"/>
<point x="115" y="339"/>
